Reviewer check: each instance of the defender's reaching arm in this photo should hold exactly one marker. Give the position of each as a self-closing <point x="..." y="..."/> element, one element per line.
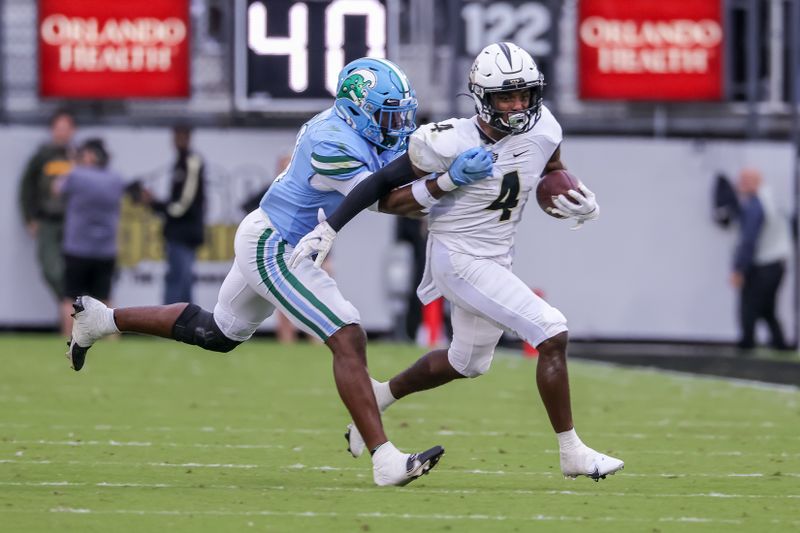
<point x="469" y="167"/>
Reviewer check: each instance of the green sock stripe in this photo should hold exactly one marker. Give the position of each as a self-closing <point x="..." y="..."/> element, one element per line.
<point x="304" y="291"/>
<point x="262" y="271"/>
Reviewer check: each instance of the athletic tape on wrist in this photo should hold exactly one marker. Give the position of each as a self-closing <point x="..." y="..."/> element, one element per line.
<point x="422" y="195"/>
<point x="446" y="183"/>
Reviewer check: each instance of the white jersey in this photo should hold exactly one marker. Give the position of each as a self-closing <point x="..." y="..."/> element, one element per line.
<point x="481" y="219"/>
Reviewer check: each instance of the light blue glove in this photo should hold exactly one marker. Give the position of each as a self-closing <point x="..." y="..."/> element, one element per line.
<point x="471" y="166"/>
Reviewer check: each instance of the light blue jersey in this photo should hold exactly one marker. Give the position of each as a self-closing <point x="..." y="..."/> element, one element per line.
<point x="326" y="146"/>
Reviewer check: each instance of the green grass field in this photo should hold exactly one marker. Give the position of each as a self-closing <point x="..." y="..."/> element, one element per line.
<point x="157" y="436"/>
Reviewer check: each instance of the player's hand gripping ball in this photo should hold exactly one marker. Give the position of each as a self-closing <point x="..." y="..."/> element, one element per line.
<point x="550" y="186"/>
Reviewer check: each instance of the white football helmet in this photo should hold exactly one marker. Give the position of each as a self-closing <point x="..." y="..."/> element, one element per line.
<point x="506" y="67"/>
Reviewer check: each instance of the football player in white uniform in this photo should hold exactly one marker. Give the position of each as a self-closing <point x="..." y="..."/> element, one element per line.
<point x="471" y="239"/>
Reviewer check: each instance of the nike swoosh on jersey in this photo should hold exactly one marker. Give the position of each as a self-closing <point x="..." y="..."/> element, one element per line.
<point x="519" y="154"/>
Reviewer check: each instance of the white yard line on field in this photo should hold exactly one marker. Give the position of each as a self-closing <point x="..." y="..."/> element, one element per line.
<point x="400" y="516"/>
<point x="148" y="444"/>
<point x="442" y="432"/>
<point x="444" y="471"/>
<point x="137" y="465"/>
<point x="134" y="484"/>
<point x="144" y="444"/>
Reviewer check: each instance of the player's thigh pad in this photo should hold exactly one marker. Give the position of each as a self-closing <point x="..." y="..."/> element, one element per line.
<point x="489" y="289"/>
<point x="474" y="341"/>
<point x="307" y="295"/>
<point x="240" y="309"/>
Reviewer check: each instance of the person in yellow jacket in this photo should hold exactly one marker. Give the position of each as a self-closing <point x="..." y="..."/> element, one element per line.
<point x="42" y="211"/>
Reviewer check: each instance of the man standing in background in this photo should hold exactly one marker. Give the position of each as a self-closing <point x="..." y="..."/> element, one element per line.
<point x="183" y="218"/>
<point x="42" y="211"/>
<point x="759" y="261"/>
<point x="92" y="196"/>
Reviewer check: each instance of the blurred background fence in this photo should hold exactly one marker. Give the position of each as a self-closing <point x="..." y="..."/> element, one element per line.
<point x="656" y="98"/>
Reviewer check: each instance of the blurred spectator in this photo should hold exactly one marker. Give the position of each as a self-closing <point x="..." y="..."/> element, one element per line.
<point x="92" y="194"/>
<point x="414" y="231"/>
<point x="183" y="217"/>
<point x="759" y="261"/>
<point x="726" y="202"/>
<point x="42" y="211"/>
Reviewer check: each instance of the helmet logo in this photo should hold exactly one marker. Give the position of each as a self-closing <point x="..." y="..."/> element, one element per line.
<point x="357" y="85"/>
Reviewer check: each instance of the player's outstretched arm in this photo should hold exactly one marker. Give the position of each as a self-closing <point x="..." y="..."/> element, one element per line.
<point x="472" y="165"/>
<point x="469" y="167"/>
<point x="320" y="240"/>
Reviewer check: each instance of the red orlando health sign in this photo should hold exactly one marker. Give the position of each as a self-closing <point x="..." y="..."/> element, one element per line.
<point x="113" y="49"/>
<point x="650" y="49"/>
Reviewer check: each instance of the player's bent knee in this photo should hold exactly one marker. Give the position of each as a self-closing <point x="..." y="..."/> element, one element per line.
<point x="349" y="338"/>
<point x="197" y="327"/>
<point x="556" y="344"/>
<point x="470" y="365"/>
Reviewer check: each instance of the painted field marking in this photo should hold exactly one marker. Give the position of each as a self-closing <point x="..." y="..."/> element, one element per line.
<point x="145" y="444"/>
<point x="300" y="466"/>
<point x="134" y="484"/>
<point x="443" y="432"/>
<point x="135" y="444"/>
<point x="391" y="516"/>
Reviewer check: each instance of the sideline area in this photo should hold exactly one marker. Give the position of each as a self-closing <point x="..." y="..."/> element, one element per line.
<point x="714" y="359"/>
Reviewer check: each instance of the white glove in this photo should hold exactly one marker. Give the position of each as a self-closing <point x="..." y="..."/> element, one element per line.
<point x="318" y="241"/>
<point x="582" y="207"/>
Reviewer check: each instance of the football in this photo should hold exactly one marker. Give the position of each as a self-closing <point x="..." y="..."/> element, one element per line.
<point x="551" y="185"/>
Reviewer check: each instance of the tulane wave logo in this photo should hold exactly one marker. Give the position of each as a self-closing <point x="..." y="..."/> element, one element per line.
<point x="357" y="85"/>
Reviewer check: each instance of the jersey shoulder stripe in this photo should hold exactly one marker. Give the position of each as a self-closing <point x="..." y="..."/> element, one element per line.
<point x="336" y="160"/>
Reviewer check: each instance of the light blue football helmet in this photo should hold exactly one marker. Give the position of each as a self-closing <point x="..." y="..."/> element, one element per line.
<point x="375" y="98"/>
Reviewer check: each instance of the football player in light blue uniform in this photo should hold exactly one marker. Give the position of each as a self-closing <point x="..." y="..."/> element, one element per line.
<point x="330" y="158"/>
<point x="364" y="132"/>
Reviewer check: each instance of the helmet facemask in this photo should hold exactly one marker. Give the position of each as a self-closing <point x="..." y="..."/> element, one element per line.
<point x="393" y="122"/>
<point x="375" y="99"/>
<point x="501" y="68"/>
<point x="509" y="122"/>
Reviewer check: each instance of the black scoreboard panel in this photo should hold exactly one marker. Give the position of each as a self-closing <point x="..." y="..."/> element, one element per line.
<point x="289" y="53"/>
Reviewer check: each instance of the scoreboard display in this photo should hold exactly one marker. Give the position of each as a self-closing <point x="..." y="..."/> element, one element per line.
<point x="289" y="53"/>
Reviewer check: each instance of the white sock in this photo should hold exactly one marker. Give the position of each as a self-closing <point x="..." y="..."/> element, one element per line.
<point x="569" y="441"/>
<point x="383" y="394"/>
<point x="384" y="452"/>
<point x="110" y="325"/>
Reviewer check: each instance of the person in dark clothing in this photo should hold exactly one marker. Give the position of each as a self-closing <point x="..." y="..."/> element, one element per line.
<point x="43" y="212"/>
<point x="759" y="260"/>
<point x="92" y="196"/>
<point x="414" y="231"/>
<point x="183" y="218"/>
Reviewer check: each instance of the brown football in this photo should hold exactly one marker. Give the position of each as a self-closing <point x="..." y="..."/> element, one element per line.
<point x="551" y="185"/>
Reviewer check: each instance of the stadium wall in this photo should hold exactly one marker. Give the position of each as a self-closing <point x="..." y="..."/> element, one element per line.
<point x="653" y="267"/>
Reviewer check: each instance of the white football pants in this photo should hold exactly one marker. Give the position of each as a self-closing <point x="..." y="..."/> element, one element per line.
<point x="486" y="298"/>
<point x="259" y="281"/>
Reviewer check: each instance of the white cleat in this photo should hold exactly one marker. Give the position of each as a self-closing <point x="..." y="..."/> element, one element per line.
<point x="393" y="467"/>
<point x="587" y="462"/>
<point x="93" y="320"/>
<point x="355" y="444"/>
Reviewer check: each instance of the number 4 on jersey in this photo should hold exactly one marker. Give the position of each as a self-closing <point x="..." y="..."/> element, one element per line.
<point x="509" y="195"/>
